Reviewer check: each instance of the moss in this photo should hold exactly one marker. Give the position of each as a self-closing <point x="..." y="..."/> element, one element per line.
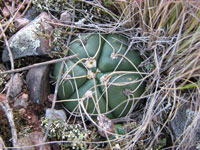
<point x="58" y="41"/>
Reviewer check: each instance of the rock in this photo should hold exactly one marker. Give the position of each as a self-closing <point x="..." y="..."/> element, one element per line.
<point x="37" y="81"/>
<point x="25" y="141"/>
<point x="50" y="97"/>
<point x="6" y="12"/>
<point x="36" y="138"/>
<point x="65" y="16"/>
<point x="16" y="86"/>
<point x="105" y="126"/>
<point x="21" y="22"/>
<point x="55" y="21"/>
<point x="21" y="101"/>
<point x="30" y="40"/>
<point x="33" y="119"/>
<point x="31" y="13"/>
<point x="2" y="97"/>
<point x="22" y="111"/>
<point x="56" y="146"/>
<point x="182" y="120"/>
<point x="20" y="7"/>
<point x="56" y="114"/>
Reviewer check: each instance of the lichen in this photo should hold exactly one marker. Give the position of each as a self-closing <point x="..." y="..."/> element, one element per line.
<point x="58" y="41"/>
<point x="74" y="133"/>
<point x="24" y="41"/>
<point x="3" y="78"/>
<point x="54" y="6"/>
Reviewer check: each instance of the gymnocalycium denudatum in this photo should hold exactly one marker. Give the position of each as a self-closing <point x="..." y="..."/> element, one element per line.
<point x="105" y="78"/>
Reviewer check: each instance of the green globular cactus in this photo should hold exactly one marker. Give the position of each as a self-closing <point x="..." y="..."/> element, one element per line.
<point x="103" y="79"/>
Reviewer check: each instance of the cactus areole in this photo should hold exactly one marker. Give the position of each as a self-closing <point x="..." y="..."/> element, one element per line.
<point x="103" y="79"/>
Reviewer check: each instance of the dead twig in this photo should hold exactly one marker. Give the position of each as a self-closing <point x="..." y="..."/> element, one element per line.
<point x="56" y="90"/>
<point x="2" y="145"/>
<point x="37" y="65"/>
<point x="11" y="19"/>
<point x="5" y="104"/>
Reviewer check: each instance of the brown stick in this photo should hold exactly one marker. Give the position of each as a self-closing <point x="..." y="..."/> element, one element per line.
<point x="38" y="64"/>
<point x="5" y="105"/>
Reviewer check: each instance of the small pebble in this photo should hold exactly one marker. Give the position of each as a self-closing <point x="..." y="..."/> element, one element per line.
<point x="36" y="138"/>
<point x="56" y="114"/>
<point x="65" y="16"/>
<point x="16" y="86"/>
<point x="105" y="126"/>
<point x="21" y="101"/>
<point x="25" y="141"/>
<point x="21" y="22"/>
<point x="22" y="111"/>
<point x="2" y="97"/>
<point x="5" y="12"/>
<point x="37" y="80"/>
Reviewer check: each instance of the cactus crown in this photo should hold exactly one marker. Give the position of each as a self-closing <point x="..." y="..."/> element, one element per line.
<point x="105" y="78"/>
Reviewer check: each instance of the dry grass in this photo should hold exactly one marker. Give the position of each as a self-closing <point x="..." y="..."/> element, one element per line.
<point x="167" y="34"/>
<point x="171" y="32"/>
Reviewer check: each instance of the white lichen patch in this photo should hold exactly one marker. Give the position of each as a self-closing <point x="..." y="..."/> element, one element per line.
<point x="68" y="132"/>
<point x="23" y="41"/>
<point x="27" y="37"/>
<point x="30" y="40"/>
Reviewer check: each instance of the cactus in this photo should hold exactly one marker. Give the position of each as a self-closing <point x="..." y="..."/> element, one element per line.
<point x="105" y="78"/>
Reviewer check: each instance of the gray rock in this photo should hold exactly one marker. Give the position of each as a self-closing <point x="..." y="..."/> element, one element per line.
<point x="31" y="14"/>
<point x="56" y="114"/>
<point x="37" y="81"/>
<point x="182" y="120"/>
<point x="65" y="16"/>
<point x="16" y="86"/>
<point x="21" y="22"/>
<point x="25" y="141"/>
<point x="30" y="40"/>
<point x="21" y="101"/>
<point x="36" y="138"/>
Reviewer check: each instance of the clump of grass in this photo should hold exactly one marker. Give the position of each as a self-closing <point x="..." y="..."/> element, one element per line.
<point x="170" y="33"/>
